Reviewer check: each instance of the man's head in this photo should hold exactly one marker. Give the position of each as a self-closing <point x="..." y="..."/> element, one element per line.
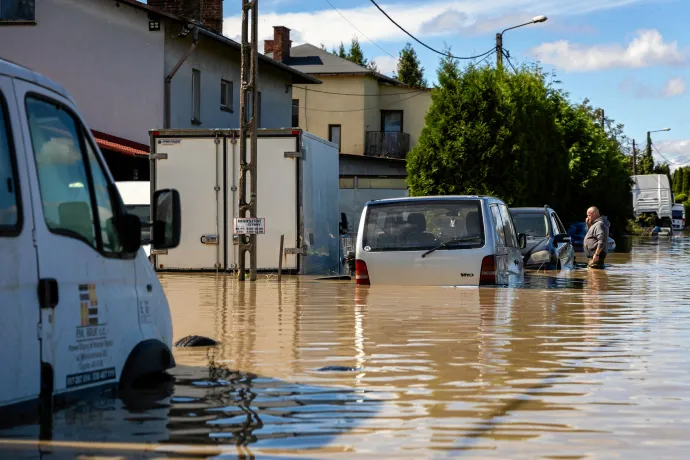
<point x="592" y="215"/>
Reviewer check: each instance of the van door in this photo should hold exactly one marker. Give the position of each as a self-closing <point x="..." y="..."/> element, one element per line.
<point x="502" y="250"/>
<point x="92" y="324"/>
<point x="19" y="316"/>
<point x="514" y="266"/>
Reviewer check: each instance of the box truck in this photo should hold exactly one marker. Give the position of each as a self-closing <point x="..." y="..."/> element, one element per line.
<point x="297" y="197"/>
<point x="652" y="194"/>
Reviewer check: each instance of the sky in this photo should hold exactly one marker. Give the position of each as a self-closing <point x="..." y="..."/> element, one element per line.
<point x="629" y="57"/>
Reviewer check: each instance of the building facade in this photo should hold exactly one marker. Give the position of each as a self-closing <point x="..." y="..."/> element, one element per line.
<point x="114" y="56"/>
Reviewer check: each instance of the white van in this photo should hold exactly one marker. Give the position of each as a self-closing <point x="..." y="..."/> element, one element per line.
<point x="137" y="198"/>
<point x="678" y="216"/>
<point x="439" y="241"/>
<point x="81" y="306"/>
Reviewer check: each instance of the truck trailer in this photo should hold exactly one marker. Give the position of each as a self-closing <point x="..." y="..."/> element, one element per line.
<point x="297" y="197"/>
<point x="652" y="194"/>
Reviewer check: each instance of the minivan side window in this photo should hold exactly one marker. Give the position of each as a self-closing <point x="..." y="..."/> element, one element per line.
<point x="72" y="184"/>
<point x="498" y="224"/>
<point x="10" y="214"/>
<point x="511" y="237"/>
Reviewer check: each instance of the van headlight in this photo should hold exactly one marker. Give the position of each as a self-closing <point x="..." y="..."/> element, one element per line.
<point x="540" y="257"/>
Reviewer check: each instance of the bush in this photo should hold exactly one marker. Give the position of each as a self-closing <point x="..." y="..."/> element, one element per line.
<point x="681" y="198"/>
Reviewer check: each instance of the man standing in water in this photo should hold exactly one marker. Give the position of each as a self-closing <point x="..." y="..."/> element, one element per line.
<point x="597" y="238"/>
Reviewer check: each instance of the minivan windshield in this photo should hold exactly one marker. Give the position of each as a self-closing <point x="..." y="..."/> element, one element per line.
<point x="534" y="225"/>
<point x="423" y="225"/>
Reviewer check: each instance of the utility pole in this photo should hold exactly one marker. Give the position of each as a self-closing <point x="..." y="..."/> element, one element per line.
<point x="634" y="159"/>
<point x="648" y="153"/>
<point x="499" y="50"/>
<point x="603" y="119"/>
<point x="248" y="72"/>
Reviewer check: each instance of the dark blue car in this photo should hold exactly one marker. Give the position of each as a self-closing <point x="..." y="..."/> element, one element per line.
<point x="577" y="232"/>
<point x="548" y="245"/>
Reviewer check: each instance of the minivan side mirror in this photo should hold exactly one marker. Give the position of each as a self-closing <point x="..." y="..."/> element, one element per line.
<point x="166" y="217"/>
<point x="522" y="240"/>
<point x="561" y="238"/>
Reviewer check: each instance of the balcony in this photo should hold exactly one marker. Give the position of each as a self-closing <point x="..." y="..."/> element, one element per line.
<point x="390" y="144"/>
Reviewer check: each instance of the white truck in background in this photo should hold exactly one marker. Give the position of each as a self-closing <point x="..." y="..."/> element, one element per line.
<point x="652" y="194"/>
<point x="297" y="197"/>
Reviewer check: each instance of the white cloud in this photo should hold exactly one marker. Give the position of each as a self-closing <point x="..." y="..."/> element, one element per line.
<point x="647" y="49"/>
<point x="386" y="64"/>
<point x="328" y="27"/>
<point x="677" y="152"/>
<point x="674" y="87"/>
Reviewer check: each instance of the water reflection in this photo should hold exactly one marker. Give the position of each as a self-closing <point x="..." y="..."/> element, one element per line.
<point x="578" y="363"/>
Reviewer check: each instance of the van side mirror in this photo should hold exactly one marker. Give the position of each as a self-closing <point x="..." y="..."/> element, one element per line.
<point x="522" y="240"/>
<point x="130" y="232"/>
<point x="166" y="217"/>
<point x="561" y="238"/>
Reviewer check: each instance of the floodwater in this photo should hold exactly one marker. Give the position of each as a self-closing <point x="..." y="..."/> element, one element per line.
<point x="579" y="364"/>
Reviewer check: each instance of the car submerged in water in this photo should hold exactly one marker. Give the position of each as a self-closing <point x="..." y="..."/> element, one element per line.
<point x="548" y="244"/>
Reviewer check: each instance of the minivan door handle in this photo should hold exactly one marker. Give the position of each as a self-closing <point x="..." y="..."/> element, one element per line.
<point x="48" y="293"/>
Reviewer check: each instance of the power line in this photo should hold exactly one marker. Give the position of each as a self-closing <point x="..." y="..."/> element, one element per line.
<point x="507" y="56"/>
<point x="424" y="44"/>
<point x="486" y="57"/>
<point x="357" y="29"/>
<point x="657" y="151"/>
<point x="360" y="110"/>
<point x="355" y="94"/>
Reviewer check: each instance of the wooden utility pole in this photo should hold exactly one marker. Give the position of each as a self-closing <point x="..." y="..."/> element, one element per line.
<point x="248" y="71"/>
<point x="634" y="159"/>
<point x="499" y="50"/>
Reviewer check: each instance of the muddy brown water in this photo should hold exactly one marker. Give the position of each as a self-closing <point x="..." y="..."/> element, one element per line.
<point x="578" y="364"/>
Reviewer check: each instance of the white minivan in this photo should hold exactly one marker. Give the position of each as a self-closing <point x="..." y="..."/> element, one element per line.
<point x="438" y="241"/>
<point x="81" y="307"/>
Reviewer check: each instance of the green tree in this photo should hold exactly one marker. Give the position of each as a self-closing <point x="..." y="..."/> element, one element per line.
<point x="410" y="70"/>
<point x="678" y="181"/>
<point x="340" y="52"/>
<point x="356" y="55"/>
<point x="686" y="181"/>
<point x="517" y="137"/>
<point x="645" y="164"/>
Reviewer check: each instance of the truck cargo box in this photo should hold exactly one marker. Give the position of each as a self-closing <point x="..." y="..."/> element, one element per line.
<point x="297" y="195"/>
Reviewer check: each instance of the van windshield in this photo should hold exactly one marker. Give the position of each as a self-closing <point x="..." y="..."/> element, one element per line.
<point x="422" y="225"/>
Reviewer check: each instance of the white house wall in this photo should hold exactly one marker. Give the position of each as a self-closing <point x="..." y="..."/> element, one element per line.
<point x="217" y="61"/>
<point x="104" y="55"/>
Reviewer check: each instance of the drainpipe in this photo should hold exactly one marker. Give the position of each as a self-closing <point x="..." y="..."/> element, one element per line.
<point x="169" y="77"/>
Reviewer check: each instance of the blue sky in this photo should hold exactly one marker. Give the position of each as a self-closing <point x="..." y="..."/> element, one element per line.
<point x="628" y="56"/>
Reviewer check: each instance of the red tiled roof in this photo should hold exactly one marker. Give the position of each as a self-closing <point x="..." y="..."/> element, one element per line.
<point x="120" y="145"/>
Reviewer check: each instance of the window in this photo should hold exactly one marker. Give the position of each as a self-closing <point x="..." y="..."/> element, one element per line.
<point x="17" y="11"/>
<point x="558" y="227"/>
<point x="196" y="96"/>
<point x="143" y="212"/>
<point x="498" y="224"/>
<point x="347" y="182"/>
<point x="511" y="237"/>
<point x="424" y="224"/>
<point x="531" y="224"/>
<point x="10" y="214"/>
<point x="226" y="101"/>
<point x="295" y="113"/>
<point x="390" y="183"/>
<point x="334" y="135"/>
<point x="71" y="193"/>
<point x="392" y="121"/>
<point x="106" y="215"/>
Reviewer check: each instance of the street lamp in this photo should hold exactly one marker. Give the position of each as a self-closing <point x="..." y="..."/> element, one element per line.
<point x="649" y="147"/>
<point x="499" y="37"/>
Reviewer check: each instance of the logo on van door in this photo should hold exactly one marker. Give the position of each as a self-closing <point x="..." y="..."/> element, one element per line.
<point x="88" y="302"/>
<point x="467" y="275"/>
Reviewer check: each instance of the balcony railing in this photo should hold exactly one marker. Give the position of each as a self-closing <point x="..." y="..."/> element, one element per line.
<point x="390" y="144"/>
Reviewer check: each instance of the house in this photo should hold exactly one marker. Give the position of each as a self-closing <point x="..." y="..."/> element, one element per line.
<point x="374" y="119"/>
<point x="114" y="57"/>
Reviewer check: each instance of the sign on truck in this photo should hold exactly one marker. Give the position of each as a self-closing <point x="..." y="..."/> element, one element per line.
<point x="250" y="225"/>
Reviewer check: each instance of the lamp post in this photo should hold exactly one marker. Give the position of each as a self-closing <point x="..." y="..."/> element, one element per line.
<point x="499" y="37"/>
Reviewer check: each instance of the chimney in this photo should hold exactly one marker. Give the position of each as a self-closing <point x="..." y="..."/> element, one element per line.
<point x="208" y="12"/>
<point x="280" y="45"/>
